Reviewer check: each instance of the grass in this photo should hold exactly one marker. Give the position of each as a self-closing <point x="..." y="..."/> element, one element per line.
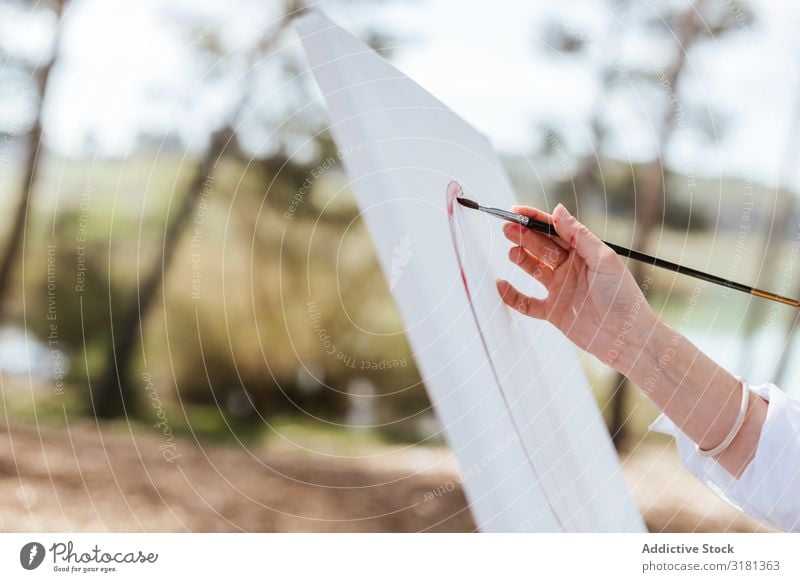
<point x="206" y="424"/>
<point x="138" y="192"/>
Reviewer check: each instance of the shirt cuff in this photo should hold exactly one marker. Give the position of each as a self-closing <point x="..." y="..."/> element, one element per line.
<point x="769" y="488"/>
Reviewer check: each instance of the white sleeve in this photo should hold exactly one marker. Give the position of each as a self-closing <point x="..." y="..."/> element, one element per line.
<point x="769" y="488"/>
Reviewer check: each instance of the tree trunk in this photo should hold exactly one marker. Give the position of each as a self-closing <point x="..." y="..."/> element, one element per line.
<point x="114" y="395"/>
<point x="652" y="198"/>
<point x="31" y="173"/>
<point x="649" y="198"/>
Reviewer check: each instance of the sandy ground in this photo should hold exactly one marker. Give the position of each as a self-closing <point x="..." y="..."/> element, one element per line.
<point x="83" y="479"/>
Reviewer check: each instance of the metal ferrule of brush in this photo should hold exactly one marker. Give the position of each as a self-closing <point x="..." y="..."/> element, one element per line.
<point x="531" y="223"/>
<point x="505" y="215"/>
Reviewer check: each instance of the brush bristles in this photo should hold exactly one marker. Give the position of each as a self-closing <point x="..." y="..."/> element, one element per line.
<point x="468" y="203"/>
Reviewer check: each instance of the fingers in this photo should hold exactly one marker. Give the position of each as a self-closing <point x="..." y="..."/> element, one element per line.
<point x="539" y="245"/>
<point x="531" y="212"/>
<point x="529" y="306"/>
<point x="532" y="265"/>
<point x="588" y="246"/>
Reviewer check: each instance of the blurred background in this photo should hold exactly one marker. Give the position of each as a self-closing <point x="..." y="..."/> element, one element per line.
<point x="194" y="331"/>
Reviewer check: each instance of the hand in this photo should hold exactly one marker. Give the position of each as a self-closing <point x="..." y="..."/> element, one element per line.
<point x="592" y="297"/>
<point x="595" y="301"/>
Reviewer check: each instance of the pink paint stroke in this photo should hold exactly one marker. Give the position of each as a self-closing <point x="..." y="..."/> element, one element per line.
<point x="453" y="192"/>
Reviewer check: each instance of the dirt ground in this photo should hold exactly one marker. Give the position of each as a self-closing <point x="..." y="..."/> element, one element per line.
<point x="85" y="479"/>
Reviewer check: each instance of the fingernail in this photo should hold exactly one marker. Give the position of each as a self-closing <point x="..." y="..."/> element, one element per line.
<point x="515" y="255"/>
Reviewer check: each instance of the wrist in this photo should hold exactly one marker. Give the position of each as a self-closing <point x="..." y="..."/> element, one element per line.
<point x="638" y="354"/>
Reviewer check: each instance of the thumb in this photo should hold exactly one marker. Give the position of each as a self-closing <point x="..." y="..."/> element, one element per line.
<point x="588" y="246"/>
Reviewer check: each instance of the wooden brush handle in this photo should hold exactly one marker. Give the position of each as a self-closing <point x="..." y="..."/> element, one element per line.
<point x="547" y="228"/>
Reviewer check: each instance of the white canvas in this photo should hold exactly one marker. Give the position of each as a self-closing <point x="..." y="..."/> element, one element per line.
<point x="516" y="408"/>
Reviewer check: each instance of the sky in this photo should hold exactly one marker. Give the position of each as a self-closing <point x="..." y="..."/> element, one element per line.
<point x="509" y="86"/>
<point x="129" y="67"/>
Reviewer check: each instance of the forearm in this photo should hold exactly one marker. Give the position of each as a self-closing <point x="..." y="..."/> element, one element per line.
<point x="597" y="303"/>
<point x="697" y="394"/>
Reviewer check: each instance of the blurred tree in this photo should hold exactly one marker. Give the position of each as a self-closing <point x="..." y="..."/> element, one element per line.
<point x="324" y="217"/>
<point x="687" y="26"/>
<point x="40" y="72"/>
<point x="270" y="135"/>
<point x="114" y="394"/>
<point x="670" y="28"/>
<point x="568" y="38"/>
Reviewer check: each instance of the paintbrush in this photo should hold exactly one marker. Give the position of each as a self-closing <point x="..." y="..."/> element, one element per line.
<point x="547" y="228"/>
